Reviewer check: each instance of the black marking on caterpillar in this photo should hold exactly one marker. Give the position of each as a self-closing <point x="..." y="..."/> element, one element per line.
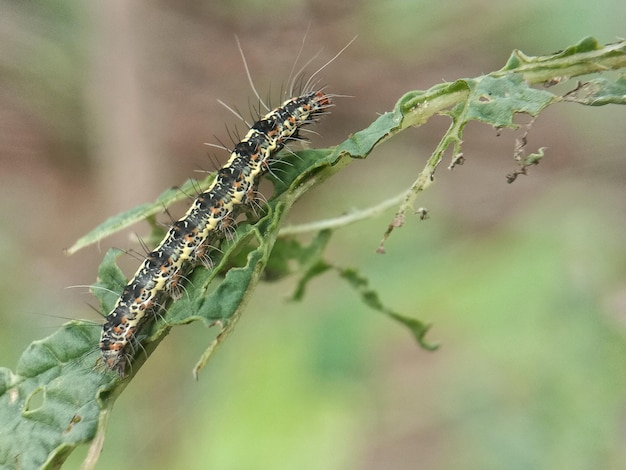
<point x="212" y="214"/>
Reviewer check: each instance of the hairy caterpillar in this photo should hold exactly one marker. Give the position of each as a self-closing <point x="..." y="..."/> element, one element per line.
<point x="188" y="240"/>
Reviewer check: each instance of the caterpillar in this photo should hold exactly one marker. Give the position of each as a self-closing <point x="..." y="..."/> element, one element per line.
<point x="189" y="239"/>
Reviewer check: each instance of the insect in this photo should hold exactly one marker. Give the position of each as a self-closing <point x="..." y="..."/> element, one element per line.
<point x="189" y="240"/>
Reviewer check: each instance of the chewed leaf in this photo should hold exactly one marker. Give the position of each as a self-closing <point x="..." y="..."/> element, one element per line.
<point x="226" y="303"/>
<point x="231" y="296"/>
<point x="141" y="212"/>
<point x="599" y="92"/>
<point x="495" y="101"/>
<point x="54" y="399"/>
<point x="371" y="299"/>
<point x="526" y="162"/>
<point x="290" y="255"/>
<point x="534" y="158"/>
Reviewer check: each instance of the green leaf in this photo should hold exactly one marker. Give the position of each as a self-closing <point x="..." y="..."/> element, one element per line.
<point x="519" y="59"/>
<point x="360" y="144"/>
<point x="111" y="281"/>
<point x="53" y="401"/>
<point x="293" y="168"/>
<point x="313" y="271"/>
<point x="371" y="299"/>
<point x="280" y="264"/>
<point x="290" y="255"/>
<point x="587" y="44"/>
<point x="144" y="211"/>
<point x="218" y="305"/>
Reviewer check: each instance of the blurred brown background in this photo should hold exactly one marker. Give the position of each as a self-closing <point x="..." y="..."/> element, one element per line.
<point x="103" y="105"/>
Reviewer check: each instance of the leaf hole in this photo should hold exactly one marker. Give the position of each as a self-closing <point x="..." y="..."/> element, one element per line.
<point x="35" y="400"/>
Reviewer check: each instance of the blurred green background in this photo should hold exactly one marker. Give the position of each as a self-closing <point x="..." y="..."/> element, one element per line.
<point x="103" y="105"/>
